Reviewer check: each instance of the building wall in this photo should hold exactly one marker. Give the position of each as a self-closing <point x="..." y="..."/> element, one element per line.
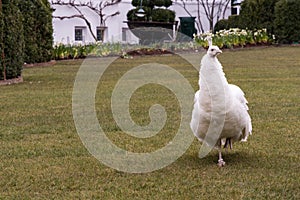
<point x="115" y="28"/>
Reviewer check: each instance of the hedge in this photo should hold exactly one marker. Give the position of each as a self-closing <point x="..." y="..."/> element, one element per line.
<point x="257" y="14"/>
<point x="279" y="17"/>
<point x="153" y="12"/>
<point x="12" y="40"/>
<point x="224" y="24"/>
<point x="26" y="35"/>
<point x="287" y="22"/>
<point x="38" y="30"/>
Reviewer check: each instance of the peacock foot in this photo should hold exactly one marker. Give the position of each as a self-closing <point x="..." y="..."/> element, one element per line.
<point x="221" y="163"/>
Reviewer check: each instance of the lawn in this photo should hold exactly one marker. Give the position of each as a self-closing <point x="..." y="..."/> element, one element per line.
<point x="42" y="156"/>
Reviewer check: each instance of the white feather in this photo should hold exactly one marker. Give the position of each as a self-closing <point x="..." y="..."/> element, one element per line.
<point x="217" y="100"/>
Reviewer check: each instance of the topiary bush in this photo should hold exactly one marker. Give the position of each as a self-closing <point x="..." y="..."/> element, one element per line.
<point x="153" y="11"/>
<point x="255" y="14"/>
<point x="231" y="22"/>
<point x="222" y="24"/>
<point x="12" y="40"/>
<point x="287" y="22"/>
<point x="163" y="15"/>
<point x="25" y="35"/>
<point x="38" y="30"/>
<point x="1" y="41"/>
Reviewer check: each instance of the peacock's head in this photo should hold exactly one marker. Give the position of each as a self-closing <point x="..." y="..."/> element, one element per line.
<point x="213" y="51"/>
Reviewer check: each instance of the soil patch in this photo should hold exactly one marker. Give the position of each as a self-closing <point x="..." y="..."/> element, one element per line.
<point x="44" y="64"/>
<point x="11" y="81"/>
<point x="148" y="51"/>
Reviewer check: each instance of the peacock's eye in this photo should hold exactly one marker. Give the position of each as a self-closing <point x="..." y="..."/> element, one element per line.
<point x="212" y="50"/>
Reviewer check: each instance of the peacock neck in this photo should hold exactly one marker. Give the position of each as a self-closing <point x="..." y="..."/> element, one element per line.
<point x="211" y="71"/>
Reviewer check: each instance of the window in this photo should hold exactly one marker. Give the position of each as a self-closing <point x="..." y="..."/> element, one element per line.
<point x="100" y="33"/>
<point x="234" y="11"/>
<point x="124" y="34"/>
<point x="78" y="34"/>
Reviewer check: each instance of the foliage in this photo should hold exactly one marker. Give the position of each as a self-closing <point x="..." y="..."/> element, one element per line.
<point x="12" y="40"/>
<point x="235" y="37"/>
<point x="75" y="51"/>
<point x="287" y="21"/>
<point x="1" y="41"/>
<point x="222" y="24"/>
<point x="62" y="51"/>
<point x="38" y="30"/>
<point x="152" y="3"/>
<point x="279" y="17"/>
<point x="163" y="15"/>
<point x="153" y="12"/>
<point x="257" y="14"/>
<point x="231" y="22"/>
<point x="26" y="35"/>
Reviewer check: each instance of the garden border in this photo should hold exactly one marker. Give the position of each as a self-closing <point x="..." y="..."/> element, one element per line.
<point x="11" y="81"/>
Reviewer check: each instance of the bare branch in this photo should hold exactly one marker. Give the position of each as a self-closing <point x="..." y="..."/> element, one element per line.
<point x="225" y="8"/>
<point x="96" y="8"/>
<point x="68" y="17"/>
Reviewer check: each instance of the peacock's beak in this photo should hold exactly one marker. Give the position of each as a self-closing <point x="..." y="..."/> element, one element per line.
<point x="219" y="52"/>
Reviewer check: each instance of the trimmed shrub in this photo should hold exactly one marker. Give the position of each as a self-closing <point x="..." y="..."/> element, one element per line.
<point x="12" y="40"/>
<point x="163" y="15"/>
<point x="222" y="24"/>
<point x="1" y="42"/>
<point x="38" y="30"/>
<point x="152" y="3"/>
<point x="233" y="21"/>
<point x="152" y="14"/>
<point x="287" y="22"/>
<point x="257" y="14"/>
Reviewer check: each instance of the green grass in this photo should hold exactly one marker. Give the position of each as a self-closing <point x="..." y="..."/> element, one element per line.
<point x="42" y="157"/>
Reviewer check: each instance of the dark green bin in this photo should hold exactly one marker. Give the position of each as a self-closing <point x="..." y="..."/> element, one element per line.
<point x="187" y="28"/>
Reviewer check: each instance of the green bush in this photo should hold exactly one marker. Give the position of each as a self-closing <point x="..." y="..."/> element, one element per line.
<point x="163" y="15"/>
<point x="146" y="3"/>
<point x="152" y="14"/>
<point x="1" y="42"/>
<point x="287" y="22"/>
<point x="257" y="14"/>
<point x="222" y="24"/>
<point x="38" y="31"/>
<point x="160" y="3"/>
<point x="25" y="35"/>
<point x="12" y="40"/>
<point x="231" y="22"/>
<point x="152" y="3"/>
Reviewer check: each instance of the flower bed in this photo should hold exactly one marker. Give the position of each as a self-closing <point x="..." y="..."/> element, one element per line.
<point x="235" y="37"/>
<point x="231" y="38"/>
<point x="62" y="51"/>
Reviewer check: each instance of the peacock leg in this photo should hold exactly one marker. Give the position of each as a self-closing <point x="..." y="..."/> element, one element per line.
<point x="221" y="162"/>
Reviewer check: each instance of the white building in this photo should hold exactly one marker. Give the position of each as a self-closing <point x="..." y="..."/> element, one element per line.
<point x="75" y="29"/>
